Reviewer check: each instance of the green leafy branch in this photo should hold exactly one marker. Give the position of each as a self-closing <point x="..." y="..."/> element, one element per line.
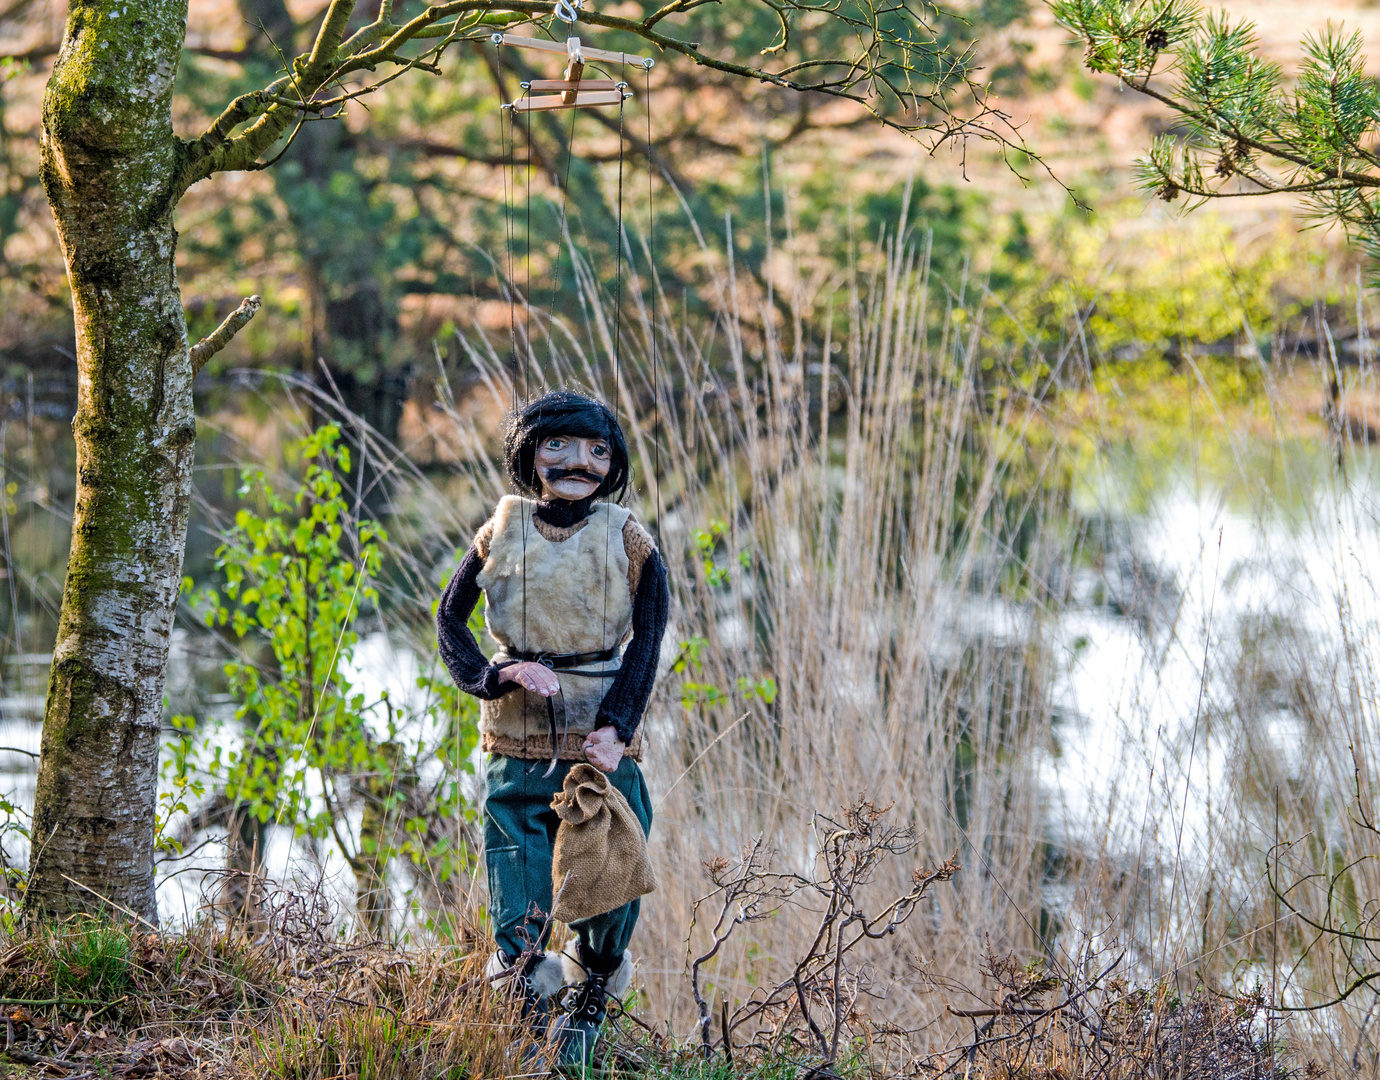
<point x="694" y="694"/>
<point x="291" y="586"/>
<point x="706" y="543"/>
<point x="894" y="66"/>
<point x="179" y="770"/>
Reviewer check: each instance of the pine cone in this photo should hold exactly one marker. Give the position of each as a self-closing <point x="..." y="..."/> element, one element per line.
<point x="1226" y="165"/>
<point x="1169" y="191"/>
<point x="1156" y="38"/>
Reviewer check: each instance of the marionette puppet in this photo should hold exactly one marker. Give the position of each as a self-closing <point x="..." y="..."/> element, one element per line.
<point x="576" y="598"/>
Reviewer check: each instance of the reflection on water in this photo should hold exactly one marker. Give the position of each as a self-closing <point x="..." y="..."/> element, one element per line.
<point x="1162" y="666"/>
<point x="25" y="677"/>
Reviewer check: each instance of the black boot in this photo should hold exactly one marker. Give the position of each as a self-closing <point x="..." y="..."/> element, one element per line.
<point x="585" y="1004"/>
<point x="535" y="985"/>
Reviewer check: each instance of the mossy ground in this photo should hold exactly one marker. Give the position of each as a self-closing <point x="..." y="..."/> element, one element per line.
<point x="87" y="997"/>
<point x="99" y="998"/>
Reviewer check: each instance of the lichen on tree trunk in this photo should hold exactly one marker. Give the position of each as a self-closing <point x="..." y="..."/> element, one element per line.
<point x="110" y="163"/>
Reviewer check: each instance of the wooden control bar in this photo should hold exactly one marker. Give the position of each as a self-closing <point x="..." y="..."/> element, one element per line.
<point x="583" y="99"/>
<point x="560" y="47"/>
<point x="574" y="90"/>
<point x="566" y="84"/>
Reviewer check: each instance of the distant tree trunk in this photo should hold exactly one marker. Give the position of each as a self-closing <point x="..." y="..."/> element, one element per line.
<point x="242" y="890"/>
<point x="110" y="161"/>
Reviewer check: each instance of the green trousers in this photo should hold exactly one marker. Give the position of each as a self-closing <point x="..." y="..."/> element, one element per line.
<point x="519" y="832"/>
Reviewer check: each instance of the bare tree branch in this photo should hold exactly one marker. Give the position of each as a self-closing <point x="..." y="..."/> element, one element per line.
<point x="881" y="78"/>
<point x="236" y="321"/>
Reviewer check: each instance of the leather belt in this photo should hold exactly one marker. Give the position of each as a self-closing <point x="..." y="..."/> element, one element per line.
<point x="569" y="663"/>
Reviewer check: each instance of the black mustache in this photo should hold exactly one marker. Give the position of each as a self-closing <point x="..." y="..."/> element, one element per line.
<point x="552" y="475"/>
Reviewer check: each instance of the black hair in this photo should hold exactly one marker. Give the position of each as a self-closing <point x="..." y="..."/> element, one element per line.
<point x="562" y="412"/>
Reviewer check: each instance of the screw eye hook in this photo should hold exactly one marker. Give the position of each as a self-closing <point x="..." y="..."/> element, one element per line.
<point x="568" y="11"/>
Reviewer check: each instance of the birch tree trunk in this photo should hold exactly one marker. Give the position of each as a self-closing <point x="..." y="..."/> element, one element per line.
<point x="113" y="170"/>
<point x="110" y="168"/>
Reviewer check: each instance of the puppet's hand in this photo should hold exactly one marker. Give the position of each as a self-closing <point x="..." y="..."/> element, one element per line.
<point x="604" y="749"/>
<point x="537" y="678"/>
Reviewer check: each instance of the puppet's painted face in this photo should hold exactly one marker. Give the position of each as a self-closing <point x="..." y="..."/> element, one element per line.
<point x="571" y="467"/>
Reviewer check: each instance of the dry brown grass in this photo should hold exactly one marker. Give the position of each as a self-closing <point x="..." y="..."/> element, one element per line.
<point x="300" y="1003"/>
<point x="87" y="997"/>
<point x="897" y="544"/>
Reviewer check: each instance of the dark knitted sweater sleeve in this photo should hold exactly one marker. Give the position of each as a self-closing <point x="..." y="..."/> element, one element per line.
<point x="460" y="653"/>
<point x="632" y="686"/>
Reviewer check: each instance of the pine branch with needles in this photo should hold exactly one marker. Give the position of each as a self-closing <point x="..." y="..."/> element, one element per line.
<point x="1240" y="130"/>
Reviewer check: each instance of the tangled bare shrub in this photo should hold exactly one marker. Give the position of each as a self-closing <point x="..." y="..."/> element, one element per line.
<point x="1096" y="1027"/>
<point x="810" y="1006"/>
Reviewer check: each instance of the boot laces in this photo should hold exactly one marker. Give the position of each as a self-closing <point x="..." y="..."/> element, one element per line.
<point x="590" y="1001"/>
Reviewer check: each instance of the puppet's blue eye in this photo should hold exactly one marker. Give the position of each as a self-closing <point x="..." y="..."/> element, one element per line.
<point x="554" y="444"/>
<point x="600" y="450"/>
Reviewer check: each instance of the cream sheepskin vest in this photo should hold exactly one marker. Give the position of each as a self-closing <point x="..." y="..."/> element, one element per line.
<point x="544" y="596"/>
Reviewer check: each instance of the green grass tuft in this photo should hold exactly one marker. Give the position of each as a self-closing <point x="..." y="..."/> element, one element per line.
<point x="91" y="958"/>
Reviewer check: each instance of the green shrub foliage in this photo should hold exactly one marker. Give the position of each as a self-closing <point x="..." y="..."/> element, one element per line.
<point x="298" y="573"/>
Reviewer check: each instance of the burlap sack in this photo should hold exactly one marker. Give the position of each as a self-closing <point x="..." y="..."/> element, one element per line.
<point x="600" y="858"/>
